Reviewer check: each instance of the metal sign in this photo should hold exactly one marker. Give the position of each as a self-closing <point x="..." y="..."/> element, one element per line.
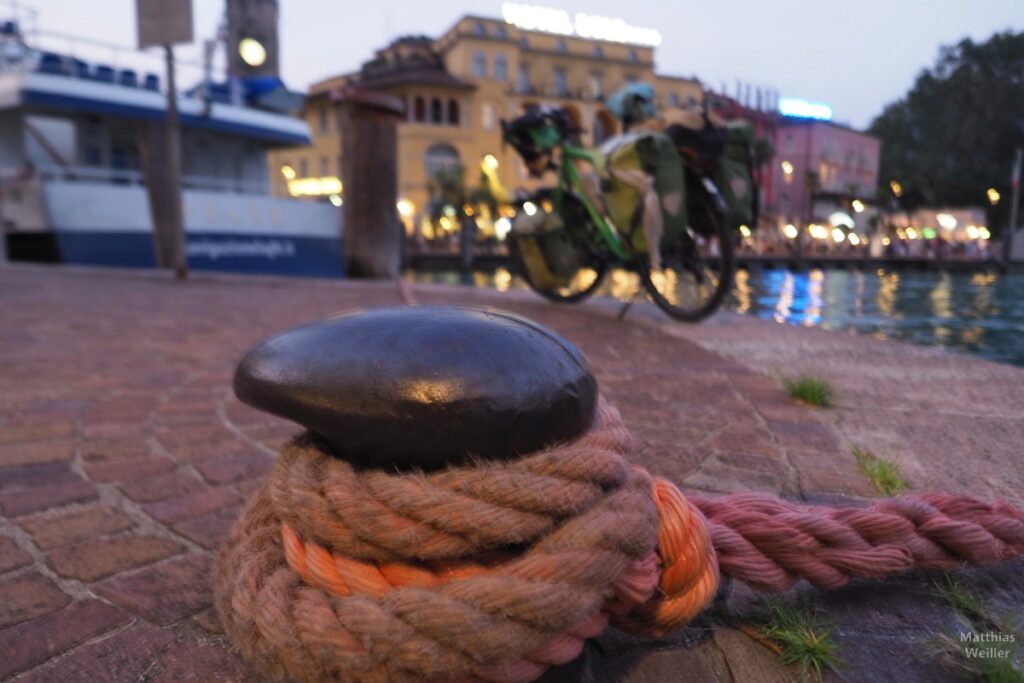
<point x="163" y="22"/>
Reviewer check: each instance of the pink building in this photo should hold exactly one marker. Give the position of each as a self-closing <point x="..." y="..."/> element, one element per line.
<point x="819" y="167"/>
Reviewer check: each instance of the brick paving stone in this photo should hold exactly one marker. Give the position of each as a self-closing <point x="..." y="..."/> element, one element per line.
<point x="32" y="642"/>
<point x="30" y="476"/>
<point x="28" y="596"/>
<point x="192" y="660"/>
<point x="163" y="593"/>
<point x="27" y="501"/>
<point x="15" y="431"/>
<point x="209" y="530"/>
<point x="102" y="557"/>
<point x="11" y="556"/>
<point x="193" y="505"/>
<point x="130" y="470"/>
<point x="53" y="531"/>
<point x="210" y="450"/>
<point x="234" y="469"/>
<point x="120" y="658"/>
<point x="161" y="487"/>
<point x="36" y="452"/>
<point x="102" y="450"/>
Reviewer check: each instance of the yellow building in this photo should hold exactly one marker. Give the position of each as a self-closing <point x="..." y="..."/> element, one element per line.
<point x="457" y="89"/>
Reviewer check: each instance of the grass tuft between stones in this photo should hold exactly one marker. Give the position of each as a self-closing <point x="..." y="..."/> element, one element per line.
<point x="801" y="640"/>
<point x="884" y="475"/>
<point x="812" y="390"/>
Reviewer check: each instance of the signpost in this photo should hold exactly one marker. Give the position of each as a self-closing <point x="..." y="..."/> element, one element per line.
<point x="163" y="23"/>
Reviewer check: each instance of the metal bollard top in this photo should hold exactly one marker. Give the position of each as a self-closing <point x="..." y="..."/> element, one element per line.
<point x="423" y="387"/>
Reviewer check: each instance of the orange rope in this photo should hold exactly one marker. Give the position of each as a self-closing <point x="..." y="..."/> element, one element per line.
<point x="652" y="596"/>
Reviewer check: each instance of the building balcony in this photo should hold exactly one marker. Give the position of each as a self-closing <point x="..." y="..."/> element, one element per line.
<point x="554" y="92"/>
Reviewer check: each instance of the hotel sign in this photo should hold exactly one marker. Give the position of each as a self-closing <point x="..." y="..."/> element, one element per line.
<point x="593" y="27"/>
<point x="802" y="109"/>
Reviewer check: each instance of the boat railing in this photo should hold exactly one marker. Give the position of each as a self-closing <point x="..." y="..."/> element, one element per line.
<point x="118" y="176"/>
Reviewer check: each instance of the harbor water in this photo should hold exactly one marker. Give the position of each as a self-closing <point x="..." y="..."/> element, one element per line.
<point x="980" y="313"/>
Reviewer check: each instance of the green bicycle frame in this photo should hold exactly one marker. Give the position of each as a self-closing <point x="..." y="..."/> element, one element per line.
<point x="569" y="176"/>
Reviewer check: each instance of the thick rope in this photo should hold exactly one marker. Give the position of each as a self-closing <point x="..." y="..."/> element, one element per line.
<point x="496" y="571"/>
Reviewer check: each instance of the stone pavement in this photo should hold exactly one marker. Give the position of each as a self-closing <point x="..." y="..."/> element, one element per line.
<point x="124" y="459"/>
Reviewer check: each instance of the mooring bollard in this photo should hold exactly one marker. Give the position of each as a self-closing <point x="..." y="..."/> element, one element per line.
<point x="461" y="508"/>
<point x="430" y="387"/>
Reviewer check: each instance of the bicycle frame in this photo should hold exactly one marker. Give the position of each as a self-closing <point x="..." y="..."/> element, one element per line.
<point x="569" y="176"/>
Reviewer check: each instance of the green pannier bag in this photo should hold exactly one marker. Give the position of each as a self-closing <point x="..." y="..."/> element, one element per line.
<point x="654" y="155"/>
<point x="548" y="253"/>
<point x="735" y="175"/>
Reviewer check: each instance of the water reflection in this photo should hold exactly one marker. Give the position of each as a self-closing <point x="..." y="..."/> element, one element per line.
<point x="981" y="313"/>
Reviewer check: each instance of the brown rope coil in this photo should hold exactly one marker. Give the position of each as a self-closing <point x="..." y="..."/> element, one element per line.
<point x="498" y="570"/>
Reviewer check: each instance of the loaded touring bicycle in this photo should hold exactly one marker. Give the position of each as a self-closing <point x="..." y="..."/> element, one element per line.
<point x="649" y="201"/>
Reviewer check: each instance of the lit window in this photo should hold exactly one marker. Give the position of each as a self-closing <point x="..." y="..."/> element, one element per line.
<point x="501" y="68"/>
<point x="480" y="65"/>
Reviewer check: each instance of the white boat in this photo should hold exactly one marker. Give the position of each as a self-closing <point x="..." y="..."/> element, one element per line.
<point x="72" y="188"/>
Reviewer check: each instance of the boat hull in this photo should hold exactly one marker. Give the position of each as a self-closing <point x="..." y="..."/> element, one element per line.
<point x="236" y="252"/>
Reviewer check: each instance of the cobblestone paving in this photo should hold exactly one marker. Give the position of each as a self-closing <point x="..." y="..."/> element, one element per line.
<point x="124" y="459"/>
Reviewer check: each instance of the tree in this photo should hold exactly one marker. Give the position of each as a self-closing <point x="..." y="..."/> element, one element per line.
<point x="954" y="134"/>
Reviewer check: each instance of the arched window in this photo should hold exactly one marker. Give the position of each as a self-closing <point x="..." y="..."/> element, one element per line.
<point x="501" y="68"/>
<point x="453" y="112"/>
<point x="420" y="109"/>
<point x="440" y="157"/>
<point x="480" y="65"/>
<point x="436" y="111"/>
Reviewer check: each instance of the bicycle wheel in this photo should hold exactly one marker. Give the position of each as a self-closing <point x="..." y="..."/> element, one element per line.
<point x="697" y="271"/>
<point x="582" y="284"/>
<point x="588" y="277"/>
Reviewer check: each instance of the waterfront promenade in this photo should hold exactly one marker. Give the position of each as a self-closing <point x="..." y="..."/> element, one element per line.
<point x="124" y="459"/>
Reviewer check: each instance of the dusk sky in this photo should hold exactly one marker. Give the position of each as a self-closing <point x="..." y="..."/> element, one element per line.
<point x="855" y="55"/>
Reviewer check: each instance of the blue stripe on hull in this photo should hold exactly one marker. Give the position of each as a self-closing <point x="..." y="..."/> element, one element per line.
<point x="244" y="253"/>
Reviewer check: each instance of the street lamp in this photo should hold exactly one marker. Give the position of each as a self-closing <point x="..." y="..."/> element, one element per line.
<point x="993" y="196"/>
<point x="896" y="188"/>
<point x="252" y="52"/>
